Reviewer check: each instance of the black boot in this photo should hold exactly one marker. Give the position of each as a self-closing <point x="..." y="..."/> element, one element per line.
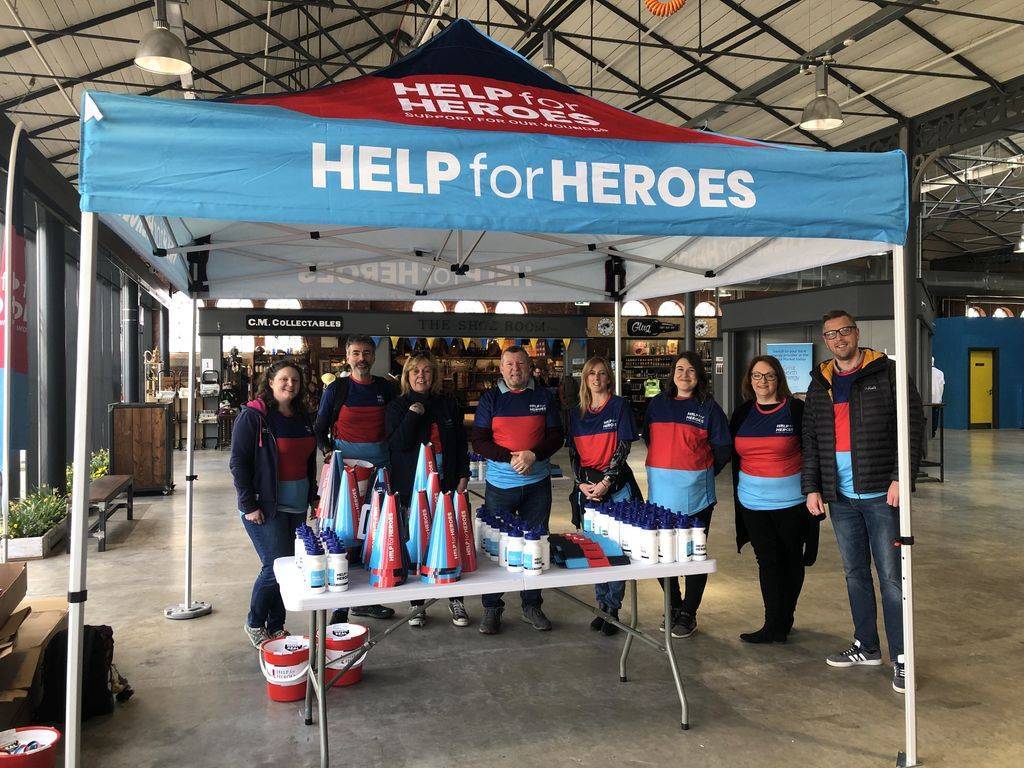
<point x="598" y="623"/>
<point x="610" y="629"/>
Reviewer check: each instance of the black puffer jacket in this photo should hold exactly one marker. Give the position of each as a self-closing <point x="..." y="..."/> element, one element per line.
<point x="872" y="429"/>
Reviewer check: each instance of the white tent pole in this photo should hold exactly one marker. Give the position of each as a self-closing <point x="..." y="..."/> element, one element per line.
<point x="8" y="333"/>
<point x="80" y="492"/>
<point x="189" y="609"/>
<point x="899" y="288"/>
<point x="618" y="345"/>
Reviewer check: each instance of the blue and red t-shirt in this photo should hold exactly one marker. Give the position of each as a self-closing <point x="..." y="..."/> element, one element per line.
<point x="519" y="420"/>
<point x="681" y="436"/>
<point x="842" y="385"/>
<point x="597" y="434"/>
<point x="295" y="444"/>
<point x="770" y="458"/>
<point x="359" y="430"/>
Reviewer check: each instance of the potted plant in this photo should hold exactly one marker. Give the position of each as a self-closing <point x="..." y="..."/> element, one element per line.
<point x="37" y="524"/>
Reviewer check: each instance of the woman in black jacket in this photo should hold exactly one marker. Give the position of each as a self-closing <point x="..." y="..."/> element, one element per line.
<point x="770" y="509"/>
<point x="422" y="414"/>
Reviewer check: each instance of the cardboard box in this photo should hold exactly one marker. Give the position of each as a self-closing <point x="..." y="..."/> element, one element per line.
<point x="13" y="585"/>
<point x="41" y="619"/>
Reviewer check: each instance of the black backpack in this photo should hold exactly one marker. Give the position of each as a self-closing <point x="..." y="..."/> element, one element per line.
<point x="101" y="682"/>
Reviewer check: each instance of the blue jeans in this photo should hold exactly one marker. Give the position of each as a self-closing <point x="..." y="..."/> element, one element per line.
<point x="865" y="530"/>
<point x="531" y="504"/>
<point x="274" y="539"/>
<point x="610" y="594"/>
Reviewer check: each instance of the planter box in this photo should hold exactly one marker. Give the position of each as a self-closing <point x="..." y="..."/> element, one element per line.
<point x="36" y="547"/>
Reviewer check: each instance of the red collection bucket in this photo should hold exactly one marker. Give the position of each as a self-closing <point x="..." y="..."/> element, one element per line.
<point x="364" y="472"/>
<point x="43" y="756"/>
<point x="344" y="640"/>
<point x="284" y="663"/>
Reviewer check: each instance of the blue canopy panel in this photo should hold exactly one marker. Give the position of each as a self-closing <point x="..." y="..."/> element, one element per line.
<point x="458" y="154"/>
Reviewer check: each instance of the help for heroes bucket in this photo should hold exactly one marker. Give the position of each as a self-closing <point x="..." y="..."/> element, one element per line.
<point x="285" y="662"/>
<point x="343" y="640"/>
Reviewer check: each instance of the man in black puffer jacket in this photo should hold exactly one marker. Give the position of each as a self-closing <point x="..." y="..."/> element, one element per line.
<point x="849" y="461"/>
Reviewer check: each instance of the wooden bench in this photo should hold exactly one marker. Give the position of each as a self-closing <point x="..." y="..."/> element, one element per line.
<point x="103" y="495"/>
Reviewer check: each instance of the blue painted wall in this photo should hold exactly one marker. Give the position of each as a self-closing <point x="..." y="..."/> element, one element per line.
<point x="954" y="336"/>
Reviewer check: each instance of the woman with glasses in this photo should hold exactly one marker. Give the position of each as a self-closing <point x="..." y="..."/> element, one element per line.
<point x="688" y="444"/>
<point x="770" y="510"/>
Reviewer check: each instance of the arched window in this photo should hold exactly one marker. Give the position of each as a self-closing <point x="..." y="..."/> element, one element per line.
<point x="180" y="315"/>
<point x="233" y="304"/>
<point x="428" y="305"/>
<point x="975" y="311"/>
<point x="705" y="309"/>
<point x="634" y="308"/>
<point x="1002" y="312"/>
<point x="510" y="308"/>
<point x="470" y="306"/>
<point x="670" y="308"/>
<point x="283" y="304"/>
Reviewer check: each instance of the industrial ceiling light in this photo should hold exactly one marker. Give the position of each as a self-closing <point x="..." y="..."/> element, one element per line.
<point x="549" y="67"/>
<point x="822" y="113"/>
<point x="161" y="51"/>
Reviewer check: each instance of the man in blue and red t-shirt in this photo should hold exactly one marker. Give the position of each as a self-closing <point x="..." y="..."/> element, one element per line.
<point x="517" y="428"/>
<point x="351" y="420"/>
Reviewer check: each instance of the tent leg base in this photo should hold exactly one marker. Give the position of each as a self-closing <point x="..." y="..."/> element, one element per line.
<point x="901" y="760"/>
<point x="180" y="612"/>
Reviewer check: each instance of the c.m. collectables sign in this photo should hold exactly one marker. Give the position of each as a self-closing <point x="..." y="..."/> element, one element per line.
<point x="275" y="324"/>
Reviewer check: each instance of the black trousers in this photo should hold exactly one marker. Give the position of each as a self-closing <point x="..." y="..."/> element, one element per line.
<point x="694" y="584"/>
<point x="778" y="545"/>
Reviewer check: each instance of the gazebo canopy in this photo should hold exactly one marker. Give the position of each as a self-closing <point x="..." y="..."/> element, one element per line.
<point x="463" y="171"/>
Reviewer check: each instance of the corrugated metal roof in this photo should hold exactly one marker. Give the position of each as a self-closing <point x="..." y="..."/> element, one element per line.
<point x="734" y="64"/>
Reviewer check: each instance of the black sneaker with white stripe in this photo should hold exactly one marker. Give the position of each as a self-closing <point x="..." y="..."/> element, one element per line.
<point x="899" y="675"/>
<point x="855" y="656"/>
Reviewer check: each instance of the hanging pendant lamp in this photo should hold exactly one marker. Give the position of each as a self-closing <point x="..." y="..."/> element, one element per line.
<point x="549" y="67"/>
<point x="161" y="51"/>
<point x="822" y="113"/>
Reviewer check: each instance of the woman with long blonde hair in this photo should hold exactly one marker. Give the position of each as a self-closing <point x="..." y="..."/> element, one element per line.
<point x="600" y="433"/>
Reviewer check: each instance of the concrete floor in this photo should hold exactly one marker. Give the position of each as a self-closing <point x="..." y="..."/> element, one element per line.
<point x="450" y="697"/>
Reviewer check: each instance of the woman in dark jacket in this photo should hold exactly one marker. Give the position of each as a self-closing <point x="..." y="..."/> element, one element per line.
<point x="770" y="509"/>
<point x="273" y="465"/>
<point x="422" y="414"/>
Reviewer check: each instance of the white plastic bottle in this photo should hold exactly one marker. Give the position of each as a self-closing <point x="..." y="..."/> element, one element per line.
<point x="533" y="554"/>
<point x="614" y="526"/>
<point x="337" y="572"/>
<point x="648" y="539"/>
<point x="482" y="471"/>
<point x="300" y="551"/>
<point x="699" y="535"/>
<point x="589" y="513"/>
<point x="666" y="541"/>
<point x="514" y="551"/>
<point x="545" y="545"/>
<point x="503" y="548"/>
<point x="683" y="539"/>
<point x="315" y="571"/>
<point x="626" y="537"/>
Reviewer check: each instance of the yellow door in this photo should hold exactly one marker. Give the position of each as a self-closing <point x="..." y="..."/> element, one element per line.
<point x="981" y="387"/>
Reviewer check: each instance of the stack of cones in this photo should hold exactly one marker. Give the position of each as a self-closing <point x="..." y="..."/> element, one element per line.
<point x="380" y="489"/>
<point x="466" y="540"/>
<point x="388" y="565"/>
<point x="346" y="514"/>
<point x="443" y="564"/>
<point x="420" y="519"/>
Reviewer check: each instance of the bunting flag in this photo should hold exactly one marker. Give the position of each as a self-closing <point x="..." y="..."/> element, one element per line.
<point x="376" y="340"/>
<point x="551" y="344"/>
<point x="449" y="340"/>
<point x="484" y="344"/>
<point x="466" y="341"/>
<point x="394" y="341"/>
<point x="567" y="342"/>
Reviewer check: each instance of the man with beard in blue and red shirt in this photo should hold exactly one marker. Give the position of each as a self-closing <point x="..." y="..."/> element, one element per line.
<point x="517" y="428"/>
<point x="351" y="420"/>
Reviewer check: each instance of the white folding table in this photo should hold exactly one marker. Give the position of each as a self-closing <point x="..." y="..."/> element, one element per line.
<point x="488" y="579"/>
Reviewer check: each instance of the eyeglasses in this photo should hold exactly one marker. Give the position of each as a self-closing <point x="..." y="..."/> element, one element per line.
<point x="846" y="330"/>
<point x="766" y="376"/>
